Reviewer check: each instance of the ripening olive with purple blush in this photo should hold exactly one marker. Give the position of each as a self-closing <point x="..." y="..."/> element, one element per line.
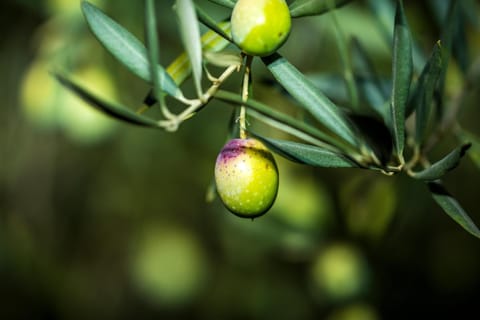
<point x="246" y="177"/>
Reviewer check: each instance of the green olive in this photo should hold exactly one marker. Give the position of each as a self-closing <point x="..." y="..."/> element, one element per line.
<point x="260" y="27"/>
<point x="246" y="177"/>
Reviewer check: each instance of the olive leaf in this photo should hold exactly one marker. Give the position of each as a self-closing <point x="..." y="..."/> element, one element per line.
<point x="275" y="118"/>
<point x="430" y="76"/>
<point x="451" y="207"/>
<point x="209" y="22"/>
<point x="190" y="34"/>
<point x="371" y="87"/>
<point x="402" y="75"/>
<point x="447" y="38"/>
<point x="307" y="154"/>
<point x="126" y="48"/>
<point x="114" y="110"/>
<point x="474" y="152"/>
<point x="152" y="46"/>
<point x="304" y="8"/>
<point x="226" y="3"/>
<point x="422" y="97"/>
<point x="441" y="167"/>
<point x="310" y="98"/>
<point x="180" y="68"/>
<point x="332" y="85"/>
<point x="385" y="12"/>
<point x="345" y="57"/>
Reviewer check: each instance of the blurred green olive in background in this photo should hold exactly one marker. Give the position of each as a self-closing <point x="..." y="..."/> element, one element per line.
<point x="339" y="272"/>
<point x="168" y="265"/>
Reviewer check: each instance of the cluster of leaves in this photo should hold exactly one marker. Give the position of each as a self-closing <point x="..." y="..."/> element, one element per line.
<point x="374" y="136"/>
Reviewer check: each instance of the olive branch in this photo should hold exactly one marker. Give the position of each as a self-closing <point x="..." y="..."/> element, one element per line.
<point x="371" y="132"/>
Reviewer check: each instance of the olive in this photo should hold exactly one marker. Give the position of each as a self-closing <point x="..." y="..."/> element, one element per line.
<point x="246" y="177"/>
<point x="260" y="27"/>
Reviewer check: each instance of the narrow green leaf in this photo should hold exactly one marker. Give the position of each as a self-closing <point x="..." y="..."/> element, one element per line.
<point x="368" y="91"/>
<point x="152" y="47"/>
<point x="368" y="88"/>
<point x="180" y="68"/>
<point x="345" y="57"/>
<point x="422" y="98"/>
<point x="125" y="47"/>
<point x="190" y="34"/>
<point x="454" y="18"/>
<point x="113" y="110"/>
<point x="447" y="38"/>
<point x="370" y="85"/>
<point x="304" y="8"/>
<point x="310" y="97"/>
<point x="307" y="154"/>
<point x="474" y="152"/>
<point x="225" y="3"/>
<point x="402" y="75"/>
<point x="292" y="131"/>
<point x="441" y="167"/>
<point x="384" y="12"/>
<point x="451" y="207"/>
<point x="208" y="21"/>
<point x="271" y="113"/>
<point x="434" y="64"/>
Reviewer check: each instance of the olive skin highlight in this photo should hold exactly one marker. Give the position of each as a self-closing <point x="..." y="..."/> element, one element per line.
<point x="260" y="27"/>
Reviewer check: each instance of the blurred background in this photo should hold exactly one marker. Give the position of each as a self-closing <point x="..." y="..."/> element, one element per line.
<point x="102" y="220"/>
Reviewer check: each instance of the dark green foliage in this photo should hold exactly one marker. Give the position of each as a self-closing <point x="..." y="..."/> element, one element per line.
<point x="125" y="47"/>
<point x="308" y="154"/>
<point x="310" y="97"/>
<point x="305" y="8"/>
<point x="402" y="77"/>
<point x="423" y="96"/>
<point x="113" y="110"/>
<point x="451" y="206"/>
<point x="441" y="167"/>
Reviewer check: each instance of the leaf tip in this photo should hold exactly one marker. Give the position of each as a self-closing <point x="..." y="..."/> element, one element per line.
<point x="465" y="148"/>
<point x="84" y="4"/>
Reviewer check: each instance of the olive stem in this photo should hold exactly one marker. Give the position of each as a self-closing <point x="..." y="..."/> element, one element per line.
<point x="245" y="93"/>
<point x="163" y="107"/>
<point x="173" y="122"/>
<point x="416" y="158"/>
<point x="207" y="96"/>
